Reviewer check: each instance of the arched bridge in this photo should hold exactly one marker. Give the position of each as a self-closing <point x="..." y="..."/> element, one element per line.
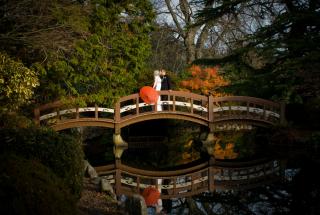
<point x="205" y="110"/>
<point x="215" y="113"/>
<point x="194" y="180"/>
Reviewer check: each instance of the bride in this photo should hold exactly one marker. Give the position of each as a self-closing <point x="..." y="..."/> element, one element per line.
<point x="157" y="87"/>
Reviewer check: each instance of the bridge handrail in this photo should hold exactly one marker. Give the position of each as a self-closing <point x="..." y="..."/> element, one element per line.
<point x="248" y="99"/>
<point x="197" y="108"/>
<point x="106" y="168"/>
<point x="183" y="94"/>
<point x="59" y="103"/>
<point x="240" y="164"/>
<point x="128" y="97"/>
<point x="169" y="173"/>
<point x="205" y="177"/>
<point x="236" y="166"/>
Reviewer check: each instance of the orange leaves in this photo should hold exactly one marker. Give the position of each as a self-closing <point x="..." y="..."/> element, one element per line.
<point x="204" y="81"/>
<point x="224" y="153"/>
<point x="195" y="70"/>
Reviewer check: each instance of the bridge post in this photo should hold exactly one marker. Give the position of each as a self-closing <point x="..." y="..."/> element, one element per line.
<point x="211" y="164"/>
<point x="210" y="112"/>
<point x="117" y="118"/>
<point x="119" y="144"/>
<point x="117" y="176"/>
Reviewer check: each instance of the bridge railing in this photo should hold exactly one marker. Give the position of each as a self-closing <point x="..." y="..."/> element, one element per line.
<point x="191" y="181"/>
<point x="57" y="112"/>
<point x="171" y="101"/>
<point x="180" y="183"/>
<point x="175" y="104"/>
<point x="241" y="107"/>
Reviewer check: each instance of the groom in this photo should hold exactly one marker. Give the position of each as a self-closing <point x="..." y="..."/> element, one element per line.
<point x="165" y="85"/>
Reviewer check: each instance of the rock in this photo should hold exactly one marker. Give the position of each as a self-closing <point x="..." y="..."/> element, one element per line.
<point x="136" y="205"/>
<point x="106" y="187"/>
<point x="89" y="170"/>
<point x="96" y="180"/>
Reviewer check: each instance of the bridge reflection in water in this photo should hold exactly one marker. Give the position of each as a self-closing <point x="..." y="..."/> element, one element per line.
<point x="212" y="112"/>
<point x="207" y="176"/>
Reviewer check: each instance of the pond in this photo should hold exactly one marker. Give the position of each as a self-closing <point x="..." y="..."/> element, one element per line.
<point x="171" y="144"/>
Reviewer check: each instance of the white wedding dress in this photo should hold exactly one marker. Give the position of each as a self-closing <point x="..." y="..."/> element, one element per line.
<point x="157" y="87"/>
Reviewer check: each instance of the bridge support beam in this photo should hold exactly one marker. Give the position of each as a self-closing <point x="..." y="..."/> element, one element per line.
<point x="211" y="187"/>
<point x="117" y="177"/>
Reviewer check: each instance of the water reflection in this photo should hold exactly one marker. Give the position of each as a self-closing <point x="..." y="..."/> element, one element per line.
<point x="168" y="143"/>
<point x="180" y="143"/>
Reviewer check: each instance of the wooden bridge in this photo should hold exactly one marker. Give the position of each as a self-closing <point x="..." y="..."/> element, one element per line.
<point x="205" y="110"/>
<point x="216" y="113"/>
<point x="208" y="176"/>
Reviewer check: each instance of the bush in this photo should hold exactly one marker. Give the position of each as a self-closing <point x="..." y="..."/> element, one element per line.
<point x="62" y="153"/>
<point x="28" y="187"/>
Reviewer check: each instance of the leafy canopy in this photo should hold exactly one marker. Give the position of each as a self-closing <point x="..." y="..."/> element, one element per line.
<point x="105" y="64"/>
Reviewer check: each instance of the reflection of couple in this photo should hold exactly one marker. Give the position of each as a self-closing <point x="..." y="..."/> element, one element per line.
<point x="161" y="82"/>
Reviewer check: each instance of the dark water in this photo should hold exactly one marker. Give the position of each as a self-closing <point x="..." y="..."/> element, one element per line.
<point x="298" y="193"/>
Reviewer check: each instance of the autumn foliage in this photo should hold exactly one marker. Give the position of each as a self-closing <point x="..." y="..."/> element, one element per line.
<point x="204" y="81"/>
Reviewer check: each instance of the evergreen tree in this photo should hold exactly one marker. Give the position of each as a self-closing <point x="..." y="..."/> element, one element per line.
<point x="281" y="58"/>
<point x="106" y="64"/>
<point x="90" y="50"/>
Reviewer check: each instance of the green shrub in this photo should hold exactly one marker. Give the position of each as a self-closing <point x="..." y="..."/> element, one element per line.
<point x="62" y="153"/>
<point x="28" y="187"/>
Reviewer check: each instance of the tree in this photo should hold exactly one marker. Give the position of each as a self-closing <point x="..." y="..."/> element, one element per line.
<point x="39" y="31"/>
<point x="96" y="50"/>
<point x="168" y="52"/>
<point x="183" y="21"/>
<point x="281" y="57"/>
<point x="17" y="83"/>
<point x="207" y="37"/>
<point x="204" y="80"/>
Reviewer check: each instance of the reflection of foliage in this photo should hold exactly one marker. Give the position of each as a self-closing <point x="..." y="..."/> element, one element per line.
<point x="189" y="152"/>
<point x="182" y="142"/>
<point x="204" y="80"/>
<point x="224" y="153"/>
<point x="16" y="83"/>
<point x="262" y="200"/>
<point x="178" y="148"/>
<point x="314" y="140"/>
<point x="99" y="149"/>
<point x="238" y="143"/>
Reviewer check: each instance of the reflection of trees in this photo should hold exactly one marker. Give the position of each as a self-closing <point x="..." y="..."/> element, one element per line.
<point x="298" y="196"/>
